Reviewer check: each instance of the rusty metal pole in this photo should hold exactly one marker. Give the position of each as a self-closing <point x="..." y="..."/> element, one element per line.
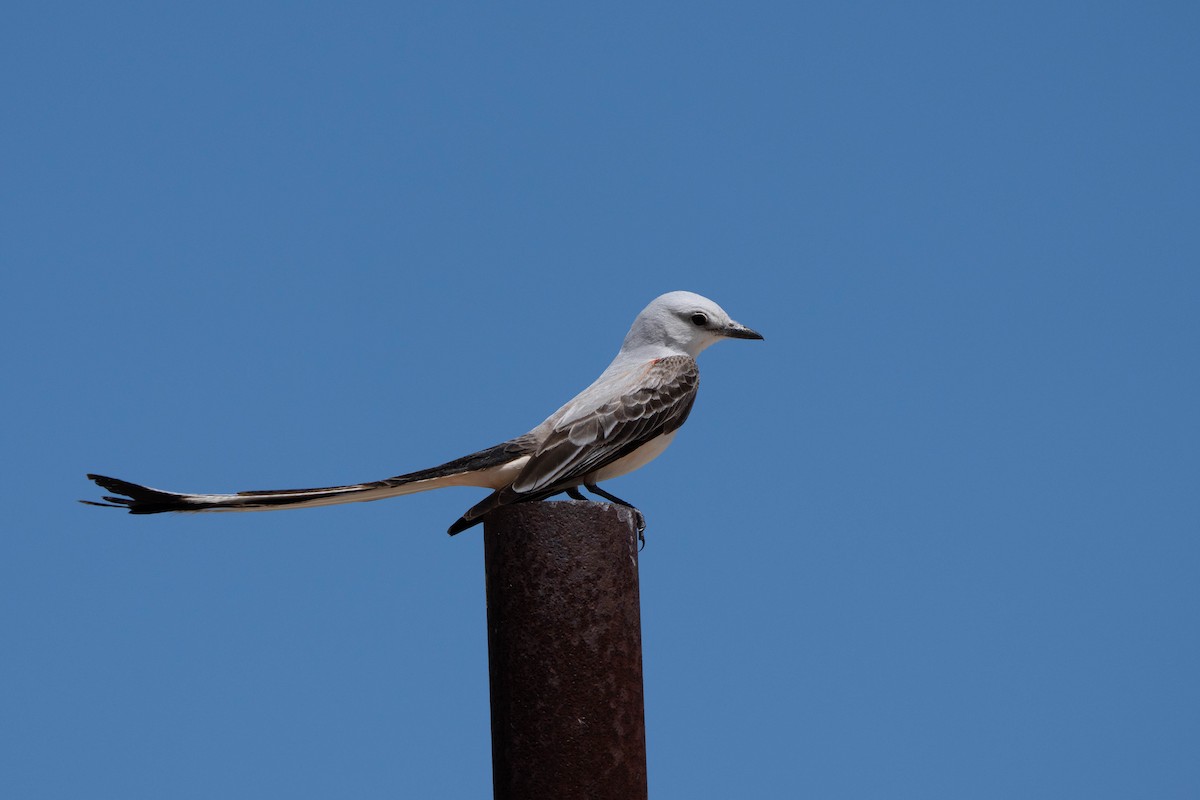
<point x="565" y="652"/>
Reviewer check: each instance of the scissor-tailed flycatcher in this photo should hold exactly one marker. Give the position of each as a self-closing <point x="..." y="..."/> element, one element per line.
<point x="620" y="422"/>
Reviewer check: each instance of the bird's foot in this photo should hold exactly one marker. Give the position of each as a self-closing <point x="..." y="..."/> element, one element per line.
<point x="638" y="517"/>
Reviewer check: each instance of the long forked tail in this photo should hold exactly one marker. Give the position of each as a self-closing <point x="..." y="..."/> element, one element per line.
<point x="140" y="499"/>
<point x="487" y="468"/>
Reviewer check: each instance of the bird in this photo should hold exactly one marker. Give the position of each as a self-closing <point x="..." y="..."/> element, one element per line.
<point x="619" y="423"/>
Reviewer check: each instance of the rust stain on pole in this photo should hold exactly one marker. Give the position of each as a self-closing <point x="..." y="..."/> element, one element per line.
<point x="565" y="652"/>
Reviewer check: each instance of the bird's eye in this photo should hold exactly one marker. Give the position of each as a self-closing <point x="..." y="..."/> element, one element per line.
<point x="699" y="319"/>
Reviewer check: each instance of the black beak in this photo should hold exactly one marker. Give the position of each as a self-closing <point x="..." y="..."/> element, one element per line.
<point x="735" y="330"/>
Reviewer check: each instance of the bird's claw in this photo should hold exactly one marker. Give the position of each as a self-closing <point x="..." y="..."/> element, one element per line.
<point x="638" y="518"/>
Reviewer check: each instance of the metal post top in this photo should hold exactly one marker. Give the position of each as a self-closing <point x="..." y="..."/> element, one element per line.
<point x="573" y="512"/>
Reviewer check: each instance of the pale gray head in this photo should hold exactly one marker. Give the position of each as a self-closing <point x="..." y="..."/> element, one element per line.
<point x="682" y="322"/>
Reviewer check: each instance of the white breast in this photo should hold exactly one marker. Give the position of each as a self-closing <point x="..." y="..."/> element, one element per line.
<point x="638" y="458"/>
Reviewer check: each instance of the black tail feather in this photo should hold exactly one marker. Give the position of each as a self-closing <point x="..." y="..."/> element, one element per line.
<point x="140" y="499"/>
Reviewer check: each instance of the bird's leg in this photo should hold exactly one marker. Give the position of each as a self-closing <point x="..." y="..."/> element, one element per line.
<point x="641" y="520"/>
<point x="575" y="494"/>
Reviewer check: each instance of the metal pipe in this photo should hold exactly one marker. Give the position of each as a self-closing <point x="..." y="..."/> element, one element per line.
<point x="565" y="652"/>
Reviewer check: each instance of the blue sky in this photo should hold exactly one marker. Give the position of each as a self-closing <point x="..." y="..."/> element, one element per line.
<point x="936" y="537"/>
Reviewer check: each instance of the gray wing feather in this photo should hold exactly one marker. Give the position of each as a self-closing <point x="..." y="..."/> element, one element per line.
<point x="657" y="401"/>
<point x="645" y="403"/>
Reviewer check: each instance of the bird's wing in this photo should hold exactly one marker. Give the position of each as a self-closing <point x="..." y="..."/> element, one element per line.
<point x="652" y="400"/>
<point x="648" y="401"/>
